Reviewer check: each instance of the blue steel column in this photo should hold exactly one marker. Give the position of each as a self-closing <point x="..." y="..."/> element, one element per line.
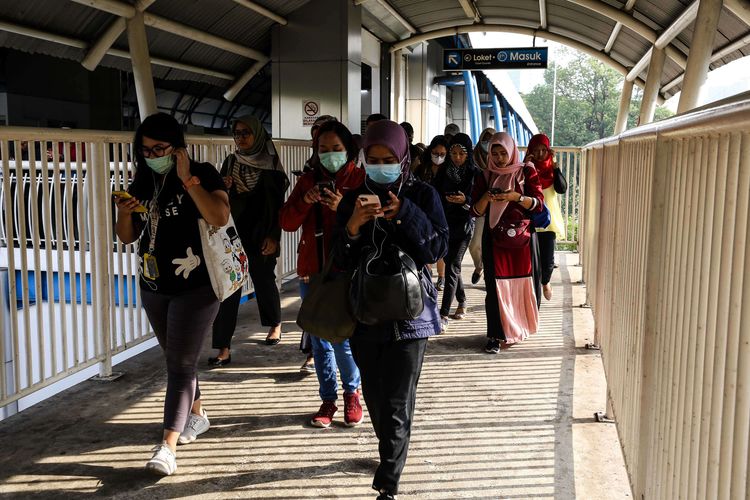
<point x="508" y="117"/>
<point x="497" y="112"/>
<point x="472" y="104"/>
<point x="477" y="110"/>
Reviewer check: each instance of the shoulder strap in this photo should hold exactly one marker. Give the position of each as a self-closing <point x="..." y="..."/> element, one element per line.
<point x="319" y="240"/>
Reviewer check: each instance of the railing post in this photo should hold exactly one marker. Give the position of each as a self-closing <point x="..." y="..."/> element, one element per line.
<point x="101" y="248"/>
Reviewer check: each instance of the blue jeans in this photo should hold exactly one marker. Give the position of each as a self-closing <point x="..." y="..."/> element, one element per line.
<point x="330" y="357"/>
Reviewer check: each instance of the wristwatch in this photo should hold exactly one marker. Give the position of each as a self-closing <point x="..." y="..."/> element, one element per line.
<point x="192" y="181"/>
<point x="521" y="198"/>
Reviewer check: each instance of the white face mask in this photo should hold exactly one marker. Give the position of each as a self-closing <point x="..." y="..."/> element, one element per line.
<point x="437" y="159"/>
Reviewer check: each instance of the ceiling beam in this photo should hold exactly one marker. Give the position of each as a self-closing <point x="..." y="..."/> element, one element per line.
<point x="80" y="44"/>
<point x="722" y="52"/>
<point x="623" y="18"/>
<point x="628" y="7"/>
<point x="112" y="6"/>
<point x="161" y="23"/>
<point x="238" y="84"/>
<point x="392" y="11"/>
<point x="504" y="28"/>
<point x="262" y="11"/>
<point x="99" y="48"/>
<point x="740" y="8"/>
<point x="183" y="30"/>
<point x="669" y="34"/>
<point x="543" y="14"/>
<point x="471" y="10"/>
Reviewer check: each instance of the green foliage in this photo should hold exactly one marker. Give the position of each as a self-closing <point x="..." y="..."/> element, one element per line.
<point x="588" y="97"/>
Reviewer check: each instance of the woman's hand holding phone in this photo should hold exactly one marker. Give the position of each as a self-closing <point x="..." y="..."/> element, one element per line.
<point x="126" y="204"/>
<point x="366" y="208"/>
<point x="458" y="197"/>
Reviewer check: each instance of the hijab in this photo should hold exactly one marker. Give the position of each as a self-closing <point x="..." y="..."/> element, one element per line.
<point x="456" y="173"/>
<point x="391" y="135"/>
<point x="545" y="168"/>
<point x="480" y="156"/>
<point x="505" y="177"/>
<point x="249" y="164"/>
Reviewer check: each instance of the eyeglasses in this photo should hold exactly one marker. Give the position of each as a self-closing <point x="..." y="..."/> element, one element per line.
<point x="241" y="134"/>
<point x="156" y="152"/>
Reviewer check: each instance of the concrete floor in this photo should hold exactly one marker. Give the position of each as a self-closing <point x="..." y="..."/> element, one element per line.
<point x="515" y="425"/>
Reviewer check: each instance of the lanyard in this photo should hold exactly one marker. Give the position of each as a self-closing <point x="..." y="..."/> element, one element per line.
<point x="153" y="221"/>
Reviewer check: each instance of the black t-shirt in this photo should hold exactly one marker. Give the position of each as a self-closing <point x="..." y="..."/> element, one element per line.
<point x="177" y="246"/>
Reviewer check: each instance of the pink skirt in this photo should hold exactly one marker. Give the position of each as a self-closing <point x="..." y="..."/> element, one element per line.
<point x="518" y="312"/>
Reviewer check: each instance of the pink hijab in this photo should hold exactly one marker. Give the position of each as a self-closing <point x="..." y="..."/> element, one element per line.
<point x="505" y="177"/>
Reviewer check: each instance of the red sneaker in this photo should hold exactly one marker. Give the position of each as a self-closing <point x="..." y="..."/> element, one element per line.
<point x="325" y="414"/>
<point x="352" y="409"/>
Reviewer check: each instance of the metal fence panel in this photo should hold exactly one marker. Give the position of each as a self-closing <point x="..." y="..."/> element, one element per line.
<point x="666" y="261"/>
<point x="73" y="296"/>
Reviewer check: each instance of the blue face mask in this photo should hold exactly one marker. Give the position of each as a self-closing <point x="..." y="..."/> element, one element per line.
<point x="160" y="165"/>
<point x="386" y="173"/>
<point x="485" y="146"/>
<point x="333" y="161"/>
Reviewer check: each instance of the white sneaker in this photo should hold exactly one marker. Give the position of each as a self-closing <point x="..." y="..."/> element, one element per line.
<point x="164" y="461"/>
<point x="196" y="425"/>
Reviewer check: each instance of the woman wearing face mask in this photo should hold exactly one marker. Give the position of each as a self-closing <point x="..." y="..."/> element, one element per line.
<point x="475" y="245"/>
<point x="389" y="354"/>
<point x="256" y="183"/>
<point x="507" y="195"/>
<point x="312" y="206"/>
<point x="175" y="286"/>
<point x="432" y="161"/>
<point x="553" y="183"/>
<point x="454" y="183"/>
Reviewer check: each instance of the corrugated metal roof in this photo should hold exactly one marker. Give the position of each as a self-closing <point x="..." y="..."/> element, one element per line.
<point x="228" y="19"/>
<point x="223" y="18"/>
<point x="569" y="19"/>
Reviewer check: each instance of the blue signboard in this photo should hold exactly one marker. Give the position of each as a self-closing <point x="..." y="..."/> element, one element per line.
<point x="479" y="59"/>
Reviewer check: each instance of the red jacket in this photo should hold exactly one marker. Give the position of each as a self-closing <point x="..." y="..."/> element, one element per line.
<point x="296" y="212"/>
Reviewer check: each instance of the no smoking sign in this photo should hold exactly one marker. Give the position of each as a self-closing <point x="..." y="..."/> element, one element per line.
<point x="310" y="112"/>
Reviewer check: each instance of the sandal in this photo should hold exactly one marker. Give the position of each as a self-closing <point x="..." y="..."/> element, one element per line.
<point x="460" y="312"/>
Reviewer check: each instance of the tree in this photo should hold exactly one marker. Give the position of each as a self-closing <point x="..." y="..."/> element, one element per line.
<point x="588" y="97"/>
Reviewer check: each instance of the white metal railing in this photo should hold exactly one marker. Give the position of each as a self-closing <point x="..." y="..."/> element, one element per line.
<point x="72" y="292"/>
<point x="666" y="262"/>
<point x="569" y="161"/>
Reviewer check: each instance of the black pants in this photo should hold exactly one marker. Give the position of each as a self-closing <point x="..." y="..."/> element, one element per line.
<point x="180" y="323"/>
<point x="546" y="255"/>
<point x="454" y="284"/>
<point x="390" y="372"/>
<point x="263" y="273"/>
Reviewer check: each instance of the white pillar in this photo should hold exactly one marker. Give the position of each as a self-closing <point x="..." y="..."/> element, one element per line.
<point x="653" y="84"/>
<point x="622" y="114"/>
<point x="101" y="250"/>
<point x="141" y="61"/>
<point x="701" y="48"/>
<point x="398" y="61"/>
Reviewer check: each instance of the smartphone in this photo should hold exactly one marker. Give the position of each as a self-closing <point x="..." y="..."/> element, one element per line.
<point x="498" y="191"/>
<point x="126" y="196"/>
<point x="453" y="193"/>
<point x="329" y="185"/>
<point x="369" y="199"/>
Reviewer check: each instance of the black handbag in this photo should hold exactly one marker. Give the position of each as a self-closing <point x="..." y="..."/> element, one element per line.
<point x="386" y="287"/>
<point x="326" y="311"/>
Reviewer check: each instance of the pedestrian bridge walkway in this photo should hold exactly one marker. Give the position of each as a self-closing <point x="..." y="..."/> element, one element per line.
<point x="514" y="425"/>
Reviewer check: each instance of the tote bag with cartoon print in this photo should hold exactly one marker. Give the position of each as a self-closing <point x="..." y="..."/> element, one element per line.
<point x="225" y="258"/>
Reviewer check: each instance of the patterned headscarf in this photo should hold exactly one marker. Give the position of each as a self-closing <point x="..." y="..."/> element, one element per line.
<point x="456" y="173"/>
<point x="246" y="171"/>
<point x="505" y="177"/>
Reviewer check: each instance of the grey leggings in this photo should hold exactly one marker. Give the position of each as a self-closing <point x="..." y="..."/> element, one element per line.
<point x="181" y="323"/>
